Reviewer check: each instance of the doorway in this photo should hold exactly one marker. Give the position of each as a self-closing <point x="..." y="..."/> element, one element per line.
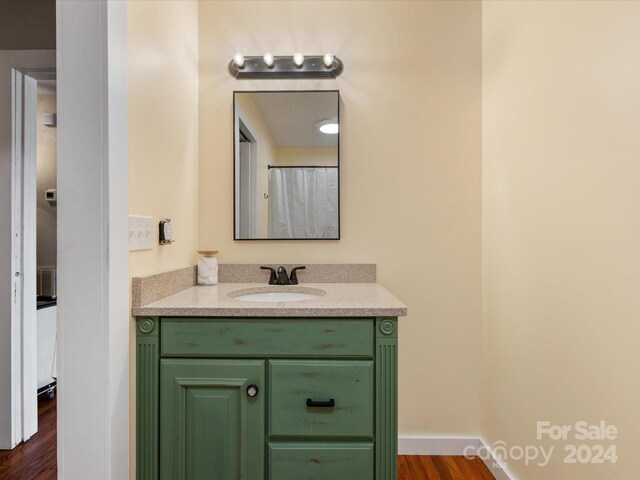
<point x="245" y="152"/>
<point x="46" y="237"/>
<point x="19" y="74"/>
<point x="33" y="233"/>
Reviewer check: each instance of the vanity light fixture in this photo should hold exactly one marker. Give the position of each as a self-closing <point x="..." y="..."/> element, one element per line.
<point x="329" y="126"/>
<point x="298" y="59"/>
<point x="285" y="66"/>
<point x="328" y="59"/>
<point x="269" y="59"/>
<point x="238" y="60"/>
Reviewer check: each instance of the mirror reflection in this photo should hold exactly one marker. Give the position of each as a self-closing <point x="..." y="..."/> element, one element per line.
<point x="286" y="156"/>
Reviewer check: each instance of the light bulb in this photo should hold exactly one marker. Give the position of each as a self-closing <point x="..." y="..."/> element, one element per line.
<point x="238" y="59"/>
<point x="298" y="59"/>
<point x="328" y="59"/>
<point x="268" y="59"/>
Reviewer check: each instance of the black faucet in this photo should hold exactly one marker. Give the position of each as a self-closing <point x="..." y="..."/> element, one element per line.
<point x="272" y="278"/>
<point x="294" y="276"/>
<point x="282" y="278"/>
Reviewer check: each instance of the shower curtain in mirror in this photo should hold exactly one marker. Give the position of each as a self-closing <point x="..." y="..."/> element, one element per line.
<point x="303" y="202"/>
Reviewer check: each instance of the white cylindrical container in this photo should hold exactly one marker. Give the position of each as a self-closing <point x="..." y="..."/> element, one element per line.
<point x="207" y="268"/>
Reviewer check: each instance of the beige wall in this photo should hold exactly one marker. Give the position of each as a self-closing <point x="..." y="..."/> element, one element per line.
<point x="27" y="24"/>
<point x="46" y="238"/>
<point x="163" y="126"/>
<point x="163" y="136"/>
<point x="307" y="156"/>
<point x="410" y="171"/>
<point x="561" y="228"/>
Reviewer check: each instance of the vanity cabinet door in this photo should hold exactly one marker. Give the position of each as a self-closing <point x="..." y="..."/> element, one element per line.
<point x="209" y="426"/>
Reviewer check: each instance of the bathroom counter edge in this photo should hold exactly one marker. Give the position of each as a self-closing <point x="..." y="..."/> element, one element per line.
<point x="341" y="300"/>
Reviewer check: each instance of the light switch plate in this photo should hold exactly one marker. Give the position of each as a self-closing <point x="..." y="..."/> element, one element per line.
<point x="141" y="234"/>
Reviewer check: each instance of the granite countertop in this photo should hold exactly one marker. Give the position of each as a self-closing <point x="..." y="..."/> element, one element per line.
<point x="341" y="300"/>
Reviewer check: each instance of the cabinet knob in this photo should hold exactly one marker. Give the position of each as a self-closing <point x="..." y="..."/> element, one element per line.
<point x="252" y="390"/>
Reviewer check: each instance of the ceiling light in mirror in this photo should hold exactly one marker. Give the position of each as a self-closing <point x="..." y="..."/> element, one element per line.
<point x="329" y="126"/>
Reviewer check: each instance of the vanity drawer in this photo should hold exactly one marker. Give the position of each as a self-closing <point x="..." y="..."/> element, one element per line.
<point x="320" y="461"/>
<point x="308" y="337"/>
<point x="300" y="397"/>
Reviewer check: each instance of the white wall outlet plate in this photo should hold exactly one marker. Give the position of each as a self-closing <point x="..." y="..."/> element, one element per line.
<point x="141" y="233"/>
<point x="165" y="232"/>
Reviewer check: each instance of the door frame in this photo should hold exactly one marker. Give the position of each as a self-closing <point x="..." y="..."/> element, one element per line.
<point x="241" y="123"/>
<point x="18" y="349"/>
<point x="24" y="226"/>
<point x="93" y="270"/>
<point x="248" y="179"/>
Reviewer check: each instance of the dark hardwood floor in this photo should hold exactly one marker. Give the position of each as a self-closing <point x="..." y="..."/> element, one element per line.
<point x="36" y="459"/>
<point x="442" y="468"/>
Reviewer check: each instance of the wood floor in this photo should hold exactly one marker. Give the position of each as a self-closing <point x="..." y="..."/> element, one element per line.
<point x="36" y="459"/>
<point x="442" y="468"/>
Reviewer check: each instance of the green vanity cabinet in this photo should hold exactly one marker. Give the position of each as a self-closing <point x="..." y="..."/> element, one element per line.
<point x="326" y="407"/>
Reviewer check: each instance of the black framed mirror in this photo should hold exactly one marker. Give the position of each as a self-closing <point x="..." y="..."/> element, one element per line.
<point x="286" y="165"/>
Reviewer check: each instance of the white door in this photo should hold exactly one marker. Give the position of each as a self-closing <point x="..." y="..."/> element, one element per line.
<point x="27" y="226"/>
<point x="23" y="257"/>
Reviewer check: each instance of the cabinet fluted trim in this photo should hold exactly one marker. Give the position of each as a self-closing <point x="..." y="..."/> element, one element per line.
<point x="147" y="376"/>
<point x="386" y="362"/>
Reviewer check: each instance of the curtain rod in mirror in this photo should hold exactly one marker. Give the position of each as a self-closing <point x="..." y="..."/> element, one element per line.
<point x="293" y="66"/>
<point x="269" y="167"/>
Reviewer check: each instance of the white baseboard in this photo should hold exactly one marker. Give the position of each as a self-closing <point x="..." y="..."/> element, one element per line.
<point x="436" y="445"/>
<point x="500" y="472"/>
<point x="453" y="446"/>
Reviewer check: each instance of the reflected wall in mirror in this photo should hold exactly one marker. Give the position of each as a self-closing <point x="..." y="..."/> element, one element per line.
<point x="286" y="165"/>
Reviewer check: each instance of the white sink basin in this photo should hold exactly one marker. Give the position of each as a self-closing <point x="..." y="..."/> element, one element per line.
<point x="275" y="297"/>
<point x="277" y="294"/>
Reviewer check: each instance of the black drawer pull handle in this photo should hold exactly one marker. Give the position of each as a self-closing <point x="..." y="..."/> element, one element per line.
<point x="314" y="403"/>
